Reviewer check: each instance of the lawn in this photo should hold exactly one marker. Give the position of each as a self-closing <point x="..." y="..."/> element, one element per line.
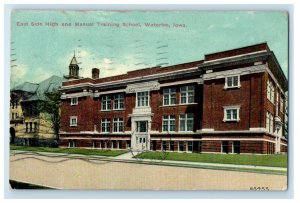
<point x="82" y="151"/>
<point x="241" y="159"/>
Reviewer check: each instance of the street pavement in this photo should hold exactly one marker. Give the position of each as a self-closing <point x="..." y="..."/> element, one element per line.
<point x="121" y="173"/>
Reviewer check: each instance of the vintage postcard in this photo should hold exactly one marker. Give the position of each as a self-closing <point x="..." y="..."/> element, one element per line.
<point x="149" y="100"/>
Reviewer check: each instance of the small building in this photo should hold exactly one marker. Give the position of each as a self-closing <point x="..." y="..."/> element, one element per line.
<point x="28" y="126"/>
<point x="231" y="102"/>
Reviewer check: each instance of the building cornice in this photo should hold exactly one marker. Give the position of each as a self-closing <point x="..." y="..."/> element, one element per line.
<point x="239" y="71"/>
<point x="128" y="81"/>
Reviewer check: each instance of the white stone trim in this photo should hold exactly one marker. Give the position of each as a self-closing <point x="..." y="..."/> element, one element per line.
<point x="78" y="94"/>
<point x="97" y="94"/>
<point x="185" y="104"/>
<point x="142" y="87"/>
<point x="258" y="129"/>
<point x="197" y="80"/>
<point x="231" y="57"/>
<point x="237" y="139"/>
<point x="206" y="130"/>
<point x="283" y="144"/>
<point x="235" y="72"/>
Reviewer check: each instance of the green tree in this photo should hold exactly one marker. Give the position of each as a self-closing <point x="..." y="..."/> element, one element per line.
<point x="51" y="108"/>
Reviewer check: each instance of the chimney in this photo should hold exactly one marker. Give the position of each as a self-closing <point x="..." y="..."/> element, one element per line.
<point x="95" y="73"/>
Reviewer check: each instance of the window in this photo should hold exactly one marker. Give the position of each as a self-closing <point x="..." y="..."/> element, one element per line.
<point x="187" y="94"/>
<point x="186" y="122"/>
<point x="169" y="123"/>
<point x="142" y="99"/>
<point x="232" y="82"/>
<point x="225" y="148"/>
<point x="118" y="124"/>
<point x="74" y="101"/>
<point x="236" y="147"/>
<point x="190" y="146"/>
<point x="169" y="96"/>
<point x="119" y="101"/>
<point x="172" y="146"/>
<point x="105" y="124"/>
<point x="281" y="103"/>
<point x="72" y="143"/>
<point x="13" y="116"/>
<point x="164" y="146"/>
<point x="269" y="122"/>
<point x="142" y="126"/>
<point x="180" y="146"/>
<point x="26" y="130"/>
<point x="106" y="103"/>
<point x="270" y="91"/>
<point x="73" y="121"/>
<point x="231" y="114"/>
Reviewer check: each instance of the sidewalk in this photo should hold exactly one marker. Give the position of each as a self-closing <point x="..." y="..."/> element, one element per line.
<point x="128" y="158"/>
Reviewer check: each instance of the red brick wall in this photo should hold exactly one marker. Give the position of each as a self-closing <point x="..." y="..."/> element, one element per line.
<point x="84" y="115"/>
<point x="249" y="96"/>
<point x="211" y="146"/>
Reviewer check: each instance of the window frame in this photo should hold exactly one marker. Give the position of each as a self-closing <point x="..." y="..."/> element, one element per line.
<point x="106" y="122"/>
<point x="118" y="121"/>
<point x="231" y="108"/>
<point x="118" y="100"/>
<point x="270" y="91"/>
<point x="186" y="119"/>
<point x="232" y="86"/>
<point x="73" y="124"/>
<point x="146" y="97"/>
<point x="74" y="103"/>
<point x="138" y="126"/>
<point x="188" y="145"/>
<point x="184" y="90"/>
<point x="106" y="99"/>
<point x="169" y="93"/>
<point x="168" y="119"/>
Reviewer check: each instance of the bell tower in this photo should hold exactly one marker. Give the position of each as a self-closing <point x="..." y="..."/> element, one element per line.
<point x="73" y="69"/>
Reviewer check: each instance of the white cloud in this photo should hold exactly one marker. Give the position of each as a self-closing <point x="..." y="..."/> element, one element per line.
<point x="107" y="61"/>
<point x="18" y="71"/>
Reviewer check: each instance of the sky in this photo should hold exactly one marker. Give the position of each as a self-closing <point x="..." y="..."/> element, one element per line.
<point x="39" y="50"/>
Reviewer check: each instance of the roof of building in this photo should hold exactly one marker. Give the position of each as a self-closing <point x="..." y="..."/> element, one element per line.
<point x="26" y="87"/>
<point x="39" y="90"/>
<point x="73" y="61"/>
<point x="255" y="52"/>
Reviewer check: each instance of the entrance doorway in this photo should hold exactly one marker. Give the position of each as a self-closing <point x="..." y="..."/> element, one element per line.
<point x="141" y="142"/>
